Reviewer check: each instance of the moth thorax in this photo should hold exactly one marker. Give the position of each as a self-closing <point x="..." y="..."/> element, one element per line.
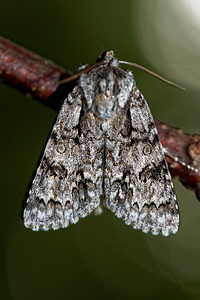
<point x="105" y="105"/>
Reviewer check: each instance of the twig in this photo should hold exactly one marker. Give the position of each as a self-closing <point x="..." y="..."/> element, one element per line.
<point x="28" y="72"/>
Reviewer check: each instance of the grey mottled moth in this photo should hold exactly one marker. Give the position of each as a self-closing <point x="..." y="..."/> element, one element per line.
<point x="103" y="149"/>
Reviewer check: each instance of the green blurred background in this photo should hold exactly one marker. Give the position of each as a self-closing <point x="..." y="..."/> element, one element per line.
<point x="100" y="257"/>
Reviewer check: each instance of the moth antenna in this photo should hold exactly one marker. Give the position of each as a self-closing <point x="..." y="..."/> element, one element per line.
<point x="153" y="74"/>
<point x="79" y="73"/>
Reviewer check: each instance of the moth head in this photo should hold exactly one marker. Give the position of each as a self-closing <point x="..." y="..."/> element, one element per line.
<point x="107" y="87"/>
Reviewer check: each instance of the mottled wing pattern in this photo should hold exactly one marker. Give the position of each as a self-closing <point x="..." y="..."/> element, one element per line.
<point x="104" y="145"/>
<point x="137" y="182"/>
<point x="68" y="181"/>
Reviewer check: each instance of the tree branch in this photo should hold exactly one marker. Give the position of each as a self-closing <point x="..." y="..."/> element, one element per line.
<point x="40" y="78"/>
<point x="30" y="73"/>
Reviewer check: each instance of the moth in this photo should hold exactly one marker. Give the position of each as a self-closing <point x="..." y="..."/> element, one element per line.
<point x="103" y="149"/>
